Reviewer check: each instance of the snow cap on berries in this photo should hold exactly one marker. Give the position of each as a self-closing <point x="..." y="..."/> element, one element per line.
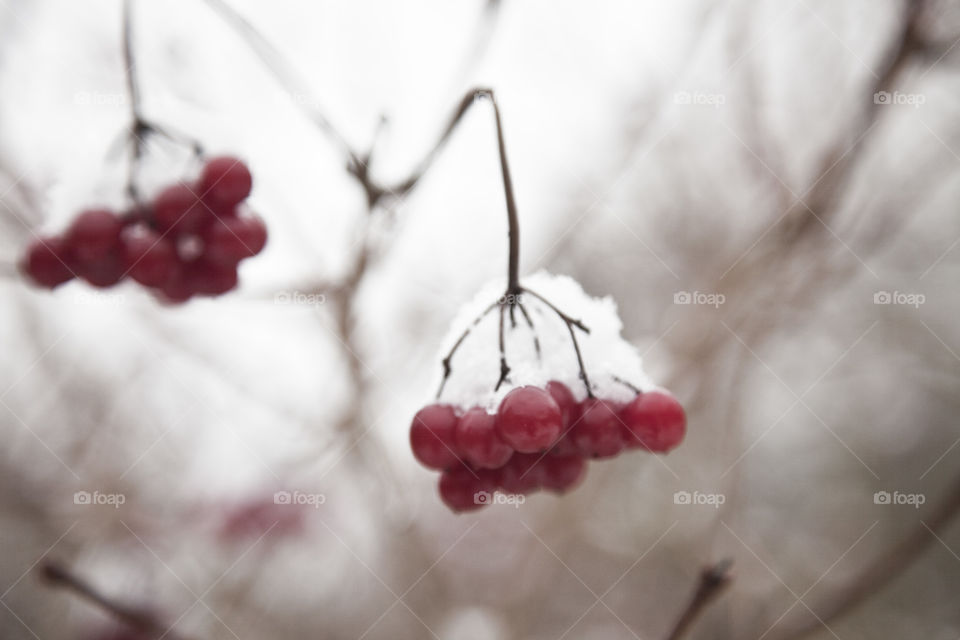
<point x="607" y="357"/>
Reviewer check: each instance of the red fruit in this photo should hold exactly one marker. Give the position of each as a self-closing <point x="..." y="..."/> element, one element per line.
<point x="562" y="473"/>
<point x="93" y="234"/>
<point x="178" y="208"/>
<point x="529" y="419"/>
<point x="103" y="272"/>
<point x="210" y="278"/>
<point x="433" y="436"/>
<point x="225" y="181"/>
<point x="149" y="258"/>
<point x="654" y="421"/>
<point x="47" y="262"/>
<point x="478" y="440"/>
<point x="230" y="240"/>
<point x="562" y="395"/>
<point x="462" y="489"/>
<point x="598" y="433"/>
<point x="570" y="411"/>
<point x="177" y="288"/>
<point x="522" y="474"/>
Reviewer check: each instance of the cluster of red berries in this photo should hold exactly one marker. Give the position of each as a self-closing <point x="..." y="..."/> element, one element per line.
<point x="538" y="439"/>
<point x="187" y="242"/>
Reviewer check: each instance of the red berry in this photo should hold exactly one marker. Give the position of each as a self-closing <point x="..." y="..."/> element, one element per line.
<point x="177" y="288"/>
<point x="47" y="262"/>
<point x="149" y="258"/>
<point x="562" y="395"/>
<point x="103" y="272"/>
<point x="230" y="240"/>
<point x="433" y="436"/>
<point x="655" y="421"/>
<point x="570" y="411"/>
<point x="598" y="433"/>
<point x="225" y="181"/>
<point x="562" y="473"/>
<point x="178" y="208"/>
<point x="529" y="420"/>
<point x="522" y="474"/>
<point x="462" y="489"/>
<point x="478" y="440"/>
<point x="210" y="278"/>
<point x="93" y="234"/>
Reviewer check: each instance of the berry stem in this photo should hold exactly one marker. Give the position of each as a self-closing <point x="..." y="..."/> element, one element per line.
<point x="513" y="262"/>
<point x="138" y="128"/>
<point x="504" y="368"/>
<point x="627" y="384"/>
<point x="536" y="340"/>
<point x="447" y="369"/>
<point x="571" y="323"/>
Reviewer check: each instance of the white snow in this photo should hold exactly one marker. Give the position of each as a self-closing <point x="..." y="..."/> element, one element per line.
<point x="475" y="367"/>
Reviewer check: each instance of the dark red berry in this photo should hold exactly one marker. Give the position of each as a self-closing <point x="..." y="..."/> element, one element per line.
<point x="562" y="473"/>
<point x="478" y="440"/>
<point x="94" y="234"/>
<point x="149" y="258"/>
<point x="433" y="436"/>
<point x="103" y="272"/>
<point x="177" y="288"/>
<point x="522" y="474"/>
<point x="211" y="278"/>
<point x="529" y="420"/>
<point x="47" y="262"/>
<point x="178" y="208"/>
<point x="562" y="395"/>
<point x="462" y="489"/>
<point x="598" y="433"/>
<point x="230" y="240"/>
<point x="225" y="181"/>
<point x="655" y="420"/>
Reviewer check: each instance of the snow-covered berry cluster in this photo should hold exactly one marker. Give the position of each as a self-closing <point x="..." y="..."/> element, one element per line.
<point x="538" y="439"/>
<point x="539" y="422"/>
<point x="188" y="241"/>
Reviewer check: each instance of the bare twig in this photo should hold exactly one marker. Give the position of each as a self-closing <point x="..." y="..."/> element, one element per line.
<point x="713" y="580"/>
<point x="139" y="618"/>
<point x="888" y="568"/>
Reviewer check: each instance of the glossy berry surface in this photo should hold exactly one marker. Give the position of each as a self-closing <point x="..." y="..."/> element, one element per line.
<point x="464" y="490"/>
<point x="226" y="181"/>
<point x="433" y="436"/>
<point x="529" y="420"/>
<point x="479" y="442"/>
<point x="598" y="433"/>
<point x="47" y="262"/>
<point x="655" y="421"/>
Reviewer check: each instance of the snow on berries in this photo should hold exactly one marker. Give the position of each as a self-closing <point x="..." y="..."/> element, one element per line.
<point x="188" y="241"/>
<point x="529" y="397"/>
